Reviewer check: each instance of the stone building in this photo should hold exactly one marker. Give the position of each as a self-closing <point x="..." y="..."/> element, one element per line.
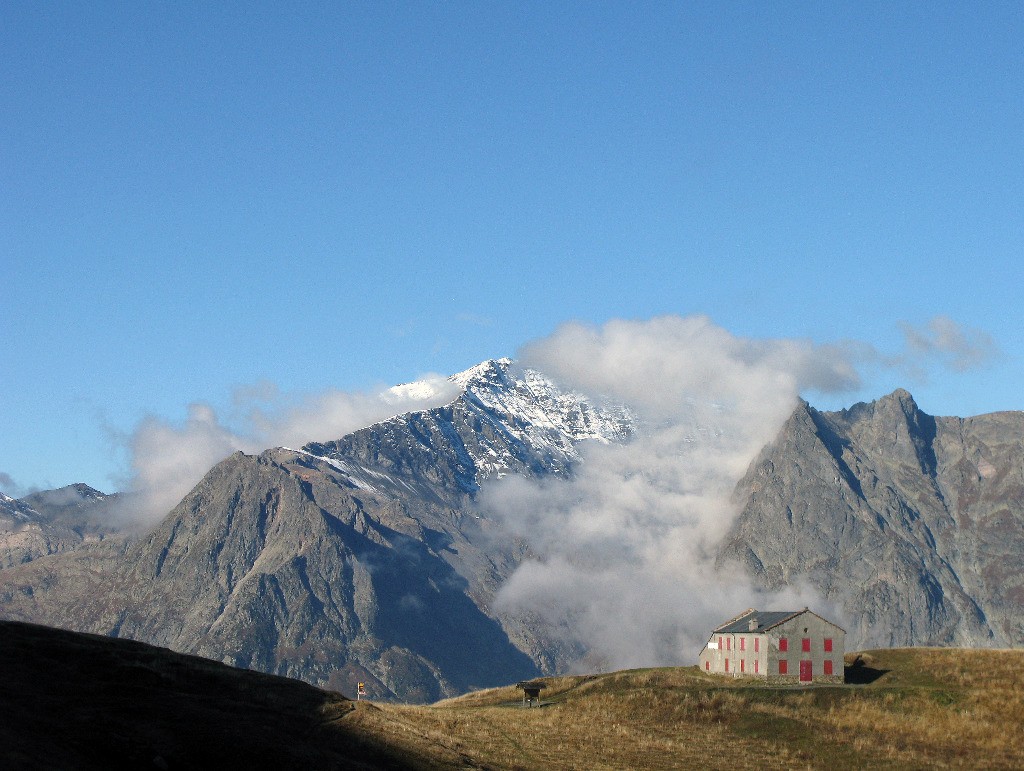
<point x="788" y="646"/>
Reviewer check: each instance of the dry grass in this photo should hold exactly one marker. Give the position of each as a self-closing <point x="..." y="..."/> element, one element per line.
<point x="929" y="708"/>
<point x="961" y="708"/>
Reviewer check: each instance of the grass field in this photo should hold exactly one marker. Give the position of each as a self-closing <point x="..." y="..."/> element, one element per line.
<point x="904" y="708"/>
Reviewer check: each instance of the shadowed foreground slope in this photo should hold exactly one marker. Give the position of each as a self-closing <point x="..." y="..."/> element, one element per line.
<point x="71" y="700"/>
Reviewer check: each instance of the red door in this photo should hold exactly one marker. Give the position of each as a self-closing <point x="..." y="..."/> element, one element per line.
<point x="805" y="671"/>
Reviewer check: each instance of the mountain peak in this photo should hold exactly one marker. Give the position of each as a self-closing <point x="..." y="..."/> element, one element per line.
<point x="902" y="397"/>
<point x="899" y="402"/>
<point x="487" y="372"/>
<point x="69" y="495"/>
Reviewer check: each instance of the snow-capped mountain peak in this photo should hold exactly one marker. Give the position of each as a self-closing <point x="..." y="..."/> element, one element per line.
<point x="492" y="371"/>
<point x="501" y="421"/>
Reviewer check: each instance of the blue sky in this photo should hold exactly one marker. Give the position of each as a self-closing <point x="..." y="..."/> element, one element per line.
<point x="197" y="197"/>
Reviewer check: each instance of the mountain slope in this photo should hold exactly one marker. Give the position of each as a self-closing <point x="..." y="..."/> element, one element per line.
<point x="357" y="560"/>
<point x="912" y="523"/>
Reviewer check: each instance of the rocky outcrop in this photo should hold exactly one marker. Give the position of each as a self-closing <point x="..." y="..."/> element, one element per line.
<point x="908" y="522"/>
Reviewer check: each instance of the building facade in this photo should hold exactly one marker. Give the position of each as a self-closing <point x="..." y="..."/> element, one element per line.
<point x="786" y="646"/>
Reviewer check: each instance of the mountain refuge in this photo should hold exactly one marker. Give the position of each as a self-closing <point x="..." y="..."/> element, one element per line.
<point x="798" y="646"/>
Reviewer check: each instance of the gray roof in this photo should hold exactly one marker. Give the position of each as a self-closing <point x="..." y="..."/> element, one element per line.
<point x="765" y="620"/>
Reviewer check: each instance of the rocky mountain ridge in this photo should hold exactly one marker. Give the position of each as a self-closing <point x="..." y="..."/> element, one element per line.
<point x="366" y="558"/>
<point x="910" y="522"/>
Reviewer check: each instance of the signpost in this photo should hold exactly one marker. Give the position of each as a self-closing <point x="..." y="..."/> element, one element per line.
<point x="360" y="691"/>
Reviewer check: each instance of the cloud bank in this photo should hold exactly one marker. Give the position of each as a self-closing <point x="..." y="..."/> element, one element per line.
<point x="624" y="563"/>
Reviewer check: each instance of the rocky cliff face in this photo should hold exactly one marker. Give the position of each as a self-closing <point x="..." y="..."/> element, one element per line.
<point x="910" y="523"/>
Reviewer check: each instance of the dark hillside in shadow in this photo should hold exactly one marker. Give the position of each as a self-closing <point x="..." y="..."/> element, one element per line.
<point x="72" y="700"/>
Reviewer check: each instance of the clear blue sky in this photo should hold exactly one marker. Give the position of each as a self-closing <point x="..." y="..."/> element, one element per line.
<point x="198" y="196"/>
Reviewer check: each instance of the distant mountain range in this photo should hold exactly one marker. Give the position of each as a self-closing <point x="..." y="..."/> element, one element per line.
<point x="366" y="559"/>
<point x="51" y="521"/>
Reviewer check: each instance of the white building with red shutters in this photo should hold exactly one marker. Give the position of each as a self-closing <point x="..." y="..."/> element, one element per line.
<point x="794" y="646"/>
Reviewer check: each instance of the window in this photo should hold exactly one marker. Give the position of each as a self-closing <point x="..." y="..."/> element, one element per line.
<point x="828" y="666"/>
<point x="727" y="665"/>
<point x="755" y="666"/>
<point x="743" y="665"/>
<point x="806" y="644"/>
<point x="828" y="645"/>
<point x="743" y="643"/>
<point x="728" y="643"/>
<point x="719" y="643"/>
<point x="707" y="665"/>
<point x="783" y="667"/>
<point x="757" y="644"/>
<point x="783" y="644"/>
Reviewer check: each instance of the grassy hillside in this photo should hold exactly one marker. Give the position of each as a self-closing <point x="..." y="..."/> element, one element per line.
<point x="80" y="701"/>
<point x="907" y="708"/>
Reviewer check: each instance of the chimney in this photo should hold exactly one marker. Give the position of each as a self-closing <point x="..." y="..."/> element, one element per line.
<point x="753" y="624"/>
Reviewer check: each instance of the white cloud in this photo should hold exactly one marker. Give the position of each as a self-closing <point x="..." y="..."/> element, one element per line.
<point x="168" y="459"/>
<point x="624" y="548"/>
<point x="958" y="347"/>
<point x="332" y="414"/>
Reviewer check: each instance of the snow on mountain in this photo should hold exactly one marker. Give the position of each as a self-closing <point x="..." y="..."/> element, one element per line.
<point x="14" y="512"/>
<point x="60" y="502"/>
<point x="503" y="421"/>
<point x="26" y="534"/>
<point x="538" y="413"/>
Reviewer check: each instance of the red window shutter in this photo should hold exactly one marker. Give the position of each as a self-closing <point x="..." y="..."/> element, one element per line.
<point x="743" y="665"/>
<point x="707" y="665"/>
<point x="783" y="667"/>
<point x="828" y="666"/>
<point x="806" y="643"/>
<point x="755" y="666"/>
<point x="728" y="643"/>
<point x="828" y="645"/>
<point x="727" y="665"/>
<point x="757" y="644"/>
<point x="743" y="643"/>
<point x="719" y="643"/>
<point x="783" y="644"/>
